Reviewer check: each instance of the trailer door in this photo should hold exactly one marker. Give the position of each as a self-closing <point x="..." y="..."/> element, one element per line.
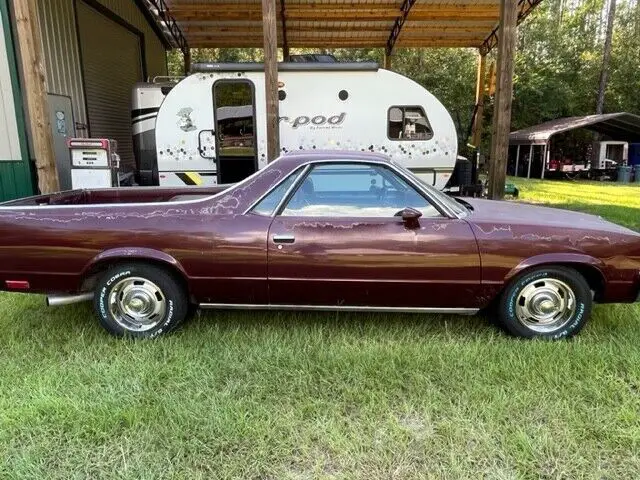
<point x="235" y="129"/>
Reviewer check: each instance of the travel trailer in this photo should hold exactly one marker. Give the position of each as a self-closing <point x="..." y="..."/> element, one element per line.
<point x="210" y="127"/>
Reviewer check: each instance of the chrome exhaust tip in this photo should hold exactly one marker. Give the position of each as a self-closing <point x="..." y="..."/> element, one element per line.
<point x="60" y="300"/>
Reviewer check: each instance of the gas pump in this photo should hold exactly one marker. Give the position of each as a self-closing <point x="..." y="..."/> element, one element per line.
<point x="95" y="163"/>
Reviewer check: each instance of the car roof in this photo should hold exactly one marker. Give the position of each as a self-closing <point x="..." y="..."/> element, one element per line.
<point x="338" y="155"/>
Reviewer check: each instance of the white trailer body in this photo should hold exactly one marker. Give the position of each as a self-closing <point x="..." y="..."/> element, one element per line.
<point x="211" y="126"/>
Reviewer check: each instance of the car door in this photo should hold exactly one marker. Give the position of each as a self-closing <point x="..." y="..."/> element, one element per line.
<point x="337" y="241"/>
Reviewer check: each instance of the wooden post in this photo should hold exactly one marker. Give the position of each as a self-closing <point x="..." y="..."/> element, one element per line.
<point x="515" y="173"/>
<point x="187" y="61"/>
<point x="530" y="160"/>
<point x="504" y="90"/>
<point x="285" y="53"/>
<point x="476" y="137"/>
<point x="270" y="35"/>
<point x="387" y="61"/>
<point x="545" y="159"/>
<point x="35" y="88"/>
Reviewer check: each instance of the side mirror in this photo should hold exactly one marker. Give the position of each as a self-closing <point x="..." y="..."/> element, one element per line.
<point x="410" y="217"/>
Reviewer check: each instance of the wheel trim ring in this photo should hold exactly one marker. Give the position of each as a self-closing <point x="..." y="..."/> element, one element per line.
<point x="545" y="305"/>
<point x="137" y="304"/>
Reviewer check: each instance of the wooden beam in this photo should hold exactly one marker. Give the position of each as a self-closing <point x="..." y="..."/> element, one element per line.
<point x="387" y="61"/>
<point x="285" y="43"/>
<point x="208" y="9"/>
<point x="30" y="47"/>
<point x="338" y="27"/>
<point x="502" y="104"/>
<point x="328" y="44"/>
<point x="335" y="43"/>
<point x="480" y="94"/>
<point x="270" y="37"/>
<point x="293" y="36"/>
<point x="216" y="12"/>
<point x="187" y="61"/>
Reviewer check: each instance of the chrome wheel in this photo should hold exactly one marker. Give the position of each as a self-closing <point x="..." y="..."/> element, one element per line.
<point x="545" y="305"/>
<point x="137" y="304"/>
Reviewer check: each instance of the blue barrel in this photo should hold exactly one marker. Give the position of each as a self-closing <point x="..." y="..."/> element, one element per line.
<point x="636" y="172"/>
<point x="624" y="174"/>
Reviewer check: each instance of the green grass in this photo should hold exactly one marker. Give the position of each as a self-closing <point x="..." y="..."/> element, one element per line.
<point x="618" y="203"/>
<point x="305" y="396"/>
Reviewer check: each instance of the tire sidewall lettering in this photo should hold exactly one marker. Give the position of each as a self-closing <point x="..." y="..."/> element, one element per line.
<point x="105" y="314"/>
<point x="568" y="329"/>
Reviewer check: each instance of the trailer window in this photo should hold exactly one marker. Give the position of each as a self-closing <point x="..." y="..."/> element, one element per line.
<point x="408" y="123"/>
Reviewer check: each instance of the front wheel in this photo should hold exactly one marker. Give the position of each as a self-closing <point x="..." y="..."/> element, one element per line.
<point x="139" y="300"/>
<point x="548" y="302"/>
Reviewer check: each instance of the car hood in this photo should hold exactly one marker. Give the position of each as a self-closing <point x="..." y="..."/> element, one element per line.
<point x="507" y="212"/>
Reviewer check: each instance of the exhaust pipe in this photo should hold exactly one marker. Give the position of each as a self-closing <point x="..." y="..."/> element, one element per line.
<point x="59" y="300"/>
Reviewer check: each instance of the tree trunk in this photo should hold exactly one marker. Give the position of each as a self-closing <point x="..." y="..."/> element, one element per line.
<point x="606" y="56"/>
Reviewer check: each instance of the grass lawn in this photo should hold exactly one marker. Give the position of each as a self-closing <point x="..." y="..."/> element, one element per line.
<point x="305" y="396"/>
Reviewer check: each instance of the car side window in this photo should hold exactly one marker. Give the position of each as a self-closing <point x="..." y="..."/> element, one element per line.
<point x="268" y="204"/>
<point x="355" y="190"/>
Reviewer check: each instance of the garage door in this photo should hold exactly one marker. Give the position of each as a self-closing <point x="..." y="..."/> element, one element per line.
<point x="112" y="64"/>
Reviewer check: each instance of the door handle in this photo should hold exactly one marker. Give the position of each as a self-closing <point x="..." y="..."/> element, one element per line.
<point x="284" y="239"/>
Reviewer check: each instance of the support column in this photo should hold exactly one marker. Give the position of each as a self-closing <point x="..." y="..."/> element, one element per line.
<point x="504" y="90"/>
<point x="515" y="173"/>
<point x="270" y="35"/>
<point x="387" y="61"/>
<point x="285" y="53"/>
<point x="545" y="159"/>
<point x="30" y="47"/>
<point x="530" y="161"/>
<point x="187" y="61"/>
<point x="476" y="136"/>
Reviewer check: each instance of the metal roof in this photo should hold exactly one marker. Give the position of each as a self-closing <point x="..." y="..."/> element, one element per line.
<point x="618" y="126"/>
<point x="337" y="23"/>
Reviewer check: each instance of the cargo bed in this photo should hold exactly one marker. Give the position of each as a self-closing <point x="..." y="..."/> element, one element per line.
<point x="117" y="195"/>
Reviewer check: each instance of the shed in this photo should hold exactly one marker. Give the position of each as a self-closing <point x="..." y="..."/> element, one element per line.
<point x="538" y="141"/>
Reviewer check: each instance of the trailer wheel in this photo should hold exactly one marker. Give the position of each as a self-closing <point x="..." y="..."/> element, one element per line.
<point x="139" y="300"/>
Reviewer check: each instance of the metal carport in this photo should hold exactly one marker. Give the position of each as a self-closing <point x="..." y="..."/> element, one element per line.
<point x="620" y="126"/>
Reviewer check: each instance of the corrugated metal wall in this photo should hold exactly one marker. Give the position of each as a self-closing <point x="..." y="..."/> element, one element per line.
<point x="62" y="54"/>
<point x="156" y="57"/>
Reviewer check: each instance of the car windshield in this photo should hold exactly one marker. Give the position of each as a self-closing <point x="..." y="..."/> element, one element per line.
<point x="434" y="192"/>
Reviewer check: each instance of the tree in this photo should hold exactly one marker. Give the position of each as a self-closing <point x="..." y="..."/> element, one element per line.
<point x="606" y="55"/>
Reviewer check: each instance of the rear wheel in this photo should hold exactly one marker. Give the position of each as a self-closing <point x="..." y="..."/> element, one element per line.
<point x="548" y="302"/>
<point x="139" y="300"/>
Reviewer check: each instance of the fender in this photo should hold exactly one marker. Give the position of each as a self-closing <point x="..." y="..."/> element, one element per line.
<point x="133" y="253"/>
<point x="549" y="258"/>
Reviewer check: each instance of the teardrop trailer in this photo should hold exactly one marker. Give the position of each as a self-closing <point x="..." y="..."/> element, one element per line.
<point x="210" y="127"/>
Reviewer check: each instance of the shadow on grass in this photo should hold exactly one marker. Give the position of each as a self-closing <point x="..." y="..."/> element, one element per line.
<point x="80" y="320"/>
<point x="347" y="322"/>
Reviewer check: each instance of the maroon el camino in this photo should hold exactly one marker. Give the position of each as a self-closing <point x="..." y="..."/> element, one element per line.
<point x="315" y="231"/>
